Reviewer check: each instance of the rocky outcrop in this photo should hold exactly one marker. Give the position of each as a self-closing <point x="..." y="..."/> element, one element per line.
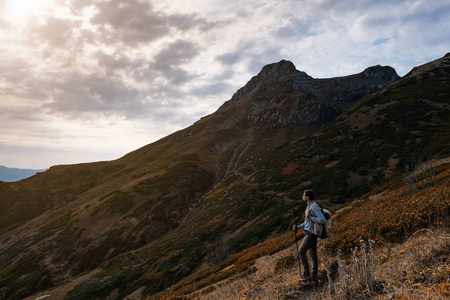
<point x="316" y="101"/>
<point x="269" y="74"/>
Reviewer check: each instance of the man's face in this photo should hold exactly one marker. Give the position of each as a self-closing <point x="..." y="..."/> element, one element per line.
<point x="305" y="198"/>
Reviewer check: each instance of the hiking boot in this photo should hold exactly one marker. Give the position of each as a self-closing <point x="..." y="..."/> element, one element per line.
<point x="315" y="278"/>
<point x="305" y="278"/>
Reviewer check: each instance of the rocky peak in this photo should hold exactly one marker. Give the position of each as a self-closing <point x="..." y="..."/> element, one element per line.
<point x="316" y="101"/>
<point x="381" y="73"/>
<point x="269" y="74"/>
<point x="275" y="72"/>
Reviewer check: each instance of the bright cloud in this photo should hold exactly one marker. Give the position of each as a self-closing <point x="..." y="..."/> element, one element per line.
<point x="91" y="80"/>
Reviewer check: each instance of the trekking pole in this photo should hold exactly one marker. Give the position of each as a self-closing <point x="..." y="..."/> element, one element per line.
<point x="296" y="254"/>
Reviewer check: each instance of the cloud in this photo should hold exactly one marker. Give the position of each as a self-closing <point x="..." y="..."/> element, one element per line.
<point x="115" y="62"/>
<point x="17" y="79"/>
<point x="425" y="24"/>
<point x="129" y="22"/>
<point x="19" y="113"/>
<point x="230" y="58"/>
<point x="75" y="6"/>
<point x="56" y="32"/>
<point x="162" y="64"/>
<point x="171" y="57"/>
<point x="76" y="94"/>
<point x="226" y="73"/>
<point x="175" y="53"/>
<point x="13" y="70"/>
<point x="133" y="22"/>
<point x="292" y="27"/>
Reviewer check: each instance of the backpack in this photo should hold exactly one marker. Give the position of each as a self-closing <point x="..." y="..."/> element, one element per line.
<point x="326" y="213"/>
<point x="321" y="230"/>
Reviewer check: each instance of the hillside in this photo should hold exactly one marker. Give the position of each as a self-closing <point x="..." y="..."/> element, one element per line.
<point x="399" y="252"/>
<point x="192" y="200"/>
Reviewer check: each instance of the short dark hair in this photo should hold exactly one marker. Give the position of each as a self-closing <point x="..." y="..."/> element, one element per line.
<point x="310" y="194"/>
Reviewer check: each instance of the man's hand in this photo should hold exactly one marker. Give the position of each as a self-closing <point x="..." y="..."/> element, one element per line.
<point x="294" y="227"/>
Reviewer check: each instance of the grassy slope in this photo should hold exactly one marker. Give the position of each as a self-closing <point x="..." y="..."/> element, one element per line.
<point x="338" y="163"/>
<point x="392" y="231"/>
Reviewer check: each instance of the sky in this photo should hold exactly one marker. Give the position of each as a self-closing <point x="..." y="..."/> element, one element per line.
<point x="92" y="80"/>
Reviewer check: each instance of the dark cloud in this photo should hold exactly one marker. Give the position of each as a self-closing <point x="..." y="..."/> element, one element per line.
<point x="169" y="60"/>
<point x="20" y="80"/>
<point x="177" y="76"/>
<point x="75" y="94"/>
<point x="224" y="75"/>
<point x="236" y="55"/>
<point x="134" y="22"/>
<point x="230" y="58"/>
<point x="129" y="21"/>
<point x="175" y="53"/>
<point x="118" y="61"/>
<point x="79" y="96"/>
<point x="118" y="83"/>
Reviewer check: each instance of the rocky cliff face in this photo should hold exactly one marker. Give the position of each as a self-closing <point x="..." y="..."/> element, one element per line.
<point x="284" y="96"/>
<point x="269" y="74"/>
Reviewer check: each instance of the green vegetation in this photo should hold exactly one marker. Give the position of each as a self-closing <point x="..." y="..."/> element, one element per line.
<point x="117" y="202"/>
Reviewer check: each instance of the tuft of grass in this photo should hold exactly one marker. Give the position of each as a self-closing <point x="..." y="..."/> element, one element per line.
<point x="415" y="269"/>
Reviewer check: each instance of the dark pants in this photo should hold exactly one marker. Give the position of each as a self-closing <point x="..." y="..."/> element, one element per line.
<point x="309" y="243"/>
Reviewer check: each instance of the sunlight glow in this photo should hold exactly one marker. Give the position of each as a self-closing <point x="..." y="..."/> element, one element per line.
<point x="21" y="9"/>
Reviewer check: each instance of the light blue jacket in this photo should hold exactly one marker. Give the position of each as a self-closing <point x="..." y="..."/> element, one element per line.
<point x="316" y="217"/>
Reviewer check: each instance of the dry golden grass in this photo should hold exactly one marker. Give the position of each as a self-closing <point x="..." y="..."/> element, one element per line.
<point x="270" y="281"/>
<point x="378" y="268"/>
<point x="416" y="269"/>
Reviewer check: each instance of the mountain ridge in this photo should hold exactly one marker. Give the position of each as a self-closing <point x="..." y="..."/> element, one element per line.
<point x="320" y="88"/>
<point x="16" y="174"/>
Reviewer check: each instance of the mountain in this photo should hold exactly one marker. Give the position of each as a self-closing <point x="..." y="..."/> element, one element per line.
<point x="189" y="202"/>
<point x="14" y="174"/>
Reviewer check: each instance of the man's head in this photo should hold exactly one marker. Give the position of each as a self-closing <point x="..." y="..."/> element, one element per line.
<point x="308" y="194"/>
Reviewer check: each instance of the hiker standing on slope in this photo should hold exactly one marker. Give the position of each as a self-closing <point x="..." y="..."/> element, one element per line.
<point x="313" y="214"/>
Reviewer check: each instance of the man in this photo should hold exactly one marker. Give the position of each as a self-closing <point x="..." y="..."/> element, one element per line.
<point x="313" y="214"/>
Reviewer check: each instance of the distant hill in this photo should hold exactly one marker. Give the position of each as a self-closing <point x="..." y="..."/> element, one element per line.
<point x="14" y="174"/>
<point x="192" y="201"/>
